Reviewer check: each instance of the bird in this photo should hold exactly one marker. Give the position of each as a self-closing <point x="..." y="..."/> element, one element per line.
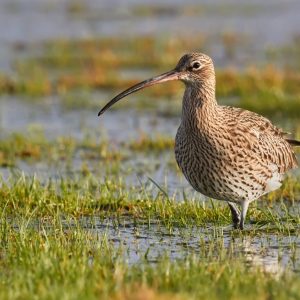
<point x="225" y="153"/>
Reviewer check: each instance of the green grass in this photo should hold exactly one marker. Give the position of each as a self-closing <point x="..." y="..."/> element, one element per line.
<point x="74" y="264"/>
<point x="34" y="146"/>
<point x="38" y="264"/>
<point x="87" y="197"/>
<point x="47" y="252"/>
<point x="68" y="67"/>
<point x="153" y="144"/>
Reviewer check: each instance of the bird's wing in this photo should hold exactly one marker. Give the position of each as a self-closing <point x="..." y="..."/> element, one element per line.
<point x="262" y="137"/>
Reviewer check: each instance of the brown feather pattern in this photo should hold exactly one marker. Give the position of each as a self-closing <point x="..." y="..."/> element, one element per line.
<point x="227" y="153"/>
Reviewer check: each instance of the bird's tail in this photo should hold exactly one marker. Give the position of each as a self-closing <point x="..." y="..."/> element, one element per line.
<point x="293" y="142"/>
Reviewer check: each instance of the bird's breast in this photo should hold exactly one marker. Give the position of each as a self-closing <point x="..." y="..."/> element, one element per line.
<point x="198" y="160"/>
<point x="218" y="169"/>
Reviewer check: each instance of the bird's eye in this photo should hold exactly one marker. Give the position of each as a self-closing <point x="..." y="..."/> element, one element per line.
<point x="196" y="65"/>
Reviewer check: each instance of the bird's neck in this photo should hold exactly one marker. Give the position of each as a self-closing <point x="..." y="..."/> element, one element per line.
<point x="199" y="106"/>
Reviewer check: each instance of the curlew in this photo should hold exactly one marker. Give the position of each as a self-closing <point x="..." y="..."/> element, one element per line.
<point x="225" y="153"/>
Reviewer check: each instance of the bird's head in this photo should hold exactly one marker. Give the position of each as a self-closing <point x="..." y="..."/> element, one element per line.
<point x="195" y="68"/>
<point x="192" y="69"/>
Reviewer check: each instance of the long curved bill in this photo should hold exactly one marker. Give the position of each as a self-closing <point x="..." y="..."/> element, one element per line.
<point x="171" y="75"/>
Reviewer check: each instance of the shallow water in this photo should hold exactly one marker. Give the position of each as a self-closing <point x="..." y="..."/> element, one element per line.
<point x="272" y="252"/>
<point x="17" y="115"/>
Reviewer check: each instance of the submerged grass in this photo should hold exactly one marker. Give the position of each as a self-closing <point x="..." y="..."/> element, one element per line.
<point x="52" y="264"/>
<point x="47" y="253"/>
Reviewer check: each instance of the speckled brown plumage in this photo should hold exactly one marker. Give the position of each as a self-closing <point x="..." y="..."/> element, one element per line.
<point x="224" y="152"/>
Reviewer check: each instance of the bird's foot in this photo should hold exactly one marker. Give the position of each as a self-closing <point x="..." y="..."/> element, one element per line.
<point x="241" y="225"/>
<point x="236" y="220"/>
<point x="235" y="214"/>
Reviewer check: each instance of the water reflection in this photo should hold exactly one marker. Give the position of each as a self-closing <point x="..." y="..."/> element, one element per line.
<point x="273" y="253"/>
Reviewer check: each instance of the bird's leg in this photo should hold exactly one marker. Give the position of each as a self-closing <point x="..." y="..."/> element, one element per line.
<point x="245" y="205"/>
<point x="236" y="217"/>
